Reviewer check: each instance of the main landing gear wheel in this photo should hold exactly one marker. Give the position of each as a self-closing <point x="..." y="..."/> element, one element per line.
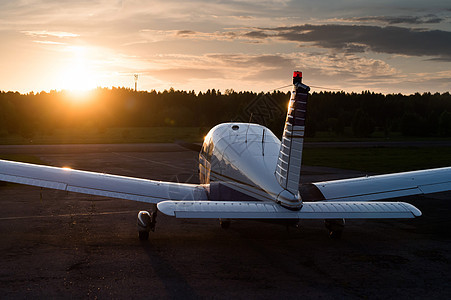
<point x="146" y="223"/>
<point x="335" y="227"/>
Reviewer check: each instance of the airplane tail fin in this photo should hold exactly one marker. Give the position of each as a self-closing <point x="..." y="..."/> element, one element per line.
<point x="288" y="170"/>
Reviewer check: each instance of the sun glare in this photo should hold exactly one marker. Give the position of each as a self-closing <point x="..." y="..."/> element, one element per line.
<point x="77" y="76"/>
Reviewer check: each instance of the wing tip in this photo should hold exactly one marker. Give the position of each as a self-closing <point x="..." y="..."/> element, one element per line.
<point x="167" y="207"/>
<point x="413" y="210"/>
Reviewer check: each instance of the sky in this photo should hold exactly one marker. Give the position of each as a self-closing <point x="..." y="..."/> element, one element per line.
<point x="387" y="46"/>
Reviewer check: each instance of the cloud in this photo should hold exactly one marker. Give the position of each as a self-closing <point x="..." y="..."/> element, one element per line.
<point x="175" y="35"/>
<point x="343" y="38"/>
<point x="244" y="17"/>
<point x="251" y="61"/>
<point x="265" y="72"/>
<point x="217" y="35"/>
<point x="45" y="33"/>
<point x="270" y="68"/>
<point x="185" y="32"/>
<point x="49" y="42"/>
<point x="185" y="74"/>
<point x="428" y="19"/>
<point x="205" y="44"/>
<point x="258" y="34"/>
<point x="355" y="38"/>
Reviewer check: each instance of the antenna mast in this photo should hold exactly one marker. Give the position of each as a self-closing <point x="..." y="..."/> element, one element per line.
<point x="136" y="82"/>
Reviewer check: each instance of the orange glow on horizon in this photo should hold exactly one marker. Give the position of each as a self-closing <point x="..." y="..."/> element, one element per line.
<point x="79" y="96"/>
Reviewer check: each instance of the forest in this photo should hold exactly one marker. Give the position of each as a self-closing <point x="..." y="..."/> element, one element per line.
<point x="338" y="113"/>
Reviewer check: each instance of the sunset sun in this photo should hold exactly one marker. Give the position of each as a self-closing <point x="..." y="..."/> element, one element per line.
<point x="77" y="75"/>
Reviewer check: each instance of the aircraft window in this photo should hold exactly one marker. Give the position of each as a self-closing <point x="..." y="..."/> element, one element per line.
<point x="235" y="127"/>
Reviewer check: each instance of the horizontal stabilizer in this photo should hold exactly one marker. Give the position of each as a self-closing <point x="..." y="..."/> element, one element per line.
<point x="387" y="186"/>
<point x="309" y="210"/>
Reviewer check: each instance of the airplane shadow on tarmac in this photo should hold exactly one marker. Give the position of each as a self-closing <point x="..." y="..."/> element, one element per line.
<point x="174" y="282"/>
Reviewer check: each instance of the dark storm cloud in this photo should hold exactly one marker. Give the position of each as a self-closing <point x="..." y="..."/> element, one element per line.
<point x="429" y="19"/>
<point x="354" y="38"/>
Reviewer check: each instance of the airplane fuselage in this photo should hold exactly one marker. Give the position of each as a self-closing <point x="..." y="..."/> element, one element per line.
<point x="238" y="161"/>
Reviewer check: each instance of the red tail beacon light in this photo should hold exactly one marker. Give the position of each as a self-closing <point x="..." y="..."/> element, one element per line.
<point x="297" y="77"/>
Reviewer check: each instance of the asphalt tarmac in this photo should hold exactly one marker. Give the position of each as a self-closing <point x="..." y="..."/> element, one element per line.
<point x="65" y="245"/>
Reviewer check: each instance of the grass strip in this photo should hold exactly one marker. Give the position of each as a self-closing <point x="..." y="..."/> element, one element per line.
<point x="379" y="159"/>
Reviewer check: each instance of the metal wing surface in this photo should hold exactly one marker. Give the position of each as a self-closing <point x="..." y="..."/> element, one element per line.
<point x="309" y="210"/>
<point x="92" y="183"/>
<point x="387" y="186"/>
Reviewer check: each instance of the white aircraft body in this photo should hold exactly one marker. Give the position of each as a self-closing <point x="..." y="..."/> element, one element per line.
<point x="247" y="173"/>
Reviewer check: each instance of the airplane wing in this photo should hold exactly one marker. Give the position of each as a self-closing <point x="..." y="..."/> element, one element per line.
<point x="381" y="187"/>
<point x="342" y="198"/>
<point x="100" y="184"/>
<point x="309" y="210"/>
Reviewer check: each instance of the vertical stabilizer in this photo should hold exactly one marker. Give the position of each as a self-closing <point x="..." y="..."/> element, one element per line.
<point x="288" y="170"/>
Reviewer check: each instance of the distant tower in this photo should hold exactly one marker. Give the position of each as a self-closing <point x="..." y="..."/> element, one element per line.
<point x="136" y="82"/>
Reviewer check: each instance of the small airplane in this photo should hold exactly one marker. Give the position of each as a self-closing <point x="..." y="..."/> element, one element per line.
<point x="246" y="172"/>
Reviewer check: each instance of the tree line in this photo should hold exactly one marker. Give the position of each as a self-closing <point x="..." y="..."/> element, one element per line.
<point x="421" y="115"/>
